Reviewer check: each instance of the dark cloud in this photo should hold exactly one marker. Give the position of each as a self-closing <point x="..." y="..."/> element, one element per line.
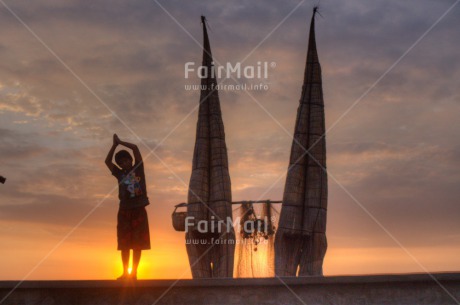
<point x="17" y="146"/>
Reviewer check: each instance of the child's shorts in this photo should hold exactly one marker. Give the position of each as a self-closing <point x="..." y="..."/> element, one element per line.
<point x="133" y="229"/>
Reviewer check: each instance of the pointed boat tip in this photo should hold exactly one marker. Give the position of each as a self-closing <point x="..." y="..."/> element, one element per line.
<point x="203" y="19"/>
<point x="316" y="11"/>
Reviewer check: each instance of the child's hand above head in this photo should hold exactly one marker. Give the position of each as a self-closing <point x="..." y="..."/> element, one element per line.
<point x="116" y="139"/>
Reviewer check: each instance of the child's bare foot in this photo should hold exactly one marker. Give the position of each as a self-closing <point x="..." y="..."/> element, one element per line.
<point x="124" y="276"/>
<point x="133" y="276"/>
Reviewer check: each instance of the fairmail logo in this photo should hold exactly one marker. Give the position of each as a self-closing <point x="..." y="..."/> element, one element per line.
<point x="220" y="226"/>
<point x="229" y="70"/>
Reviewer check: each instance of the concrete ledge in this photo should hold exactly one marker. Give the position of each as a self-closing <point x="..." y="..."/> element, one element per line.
<point x="410" y="289"/>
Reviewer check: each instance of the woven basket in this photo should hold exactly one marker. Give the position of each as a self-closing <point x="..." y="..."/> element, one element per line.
<point x="178" y="218"/>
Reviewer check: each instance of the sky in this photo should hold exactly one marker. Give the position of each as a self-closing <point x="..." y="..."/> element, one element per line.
<point x="72" y="73"/>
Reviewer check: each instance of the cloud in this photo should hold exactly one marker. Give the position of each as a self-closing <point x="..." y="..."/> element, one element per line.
<point x="17" y="146"/>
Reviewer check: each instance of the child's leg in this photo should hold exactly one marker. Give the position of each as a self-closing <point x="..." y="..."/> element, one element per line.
<point x="136" y="259"/>
<point x="125" y="260"/>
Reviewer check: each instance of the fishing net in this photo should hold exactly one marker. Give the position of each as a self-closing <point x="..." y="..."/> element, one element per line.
<point x="255" y="238"/>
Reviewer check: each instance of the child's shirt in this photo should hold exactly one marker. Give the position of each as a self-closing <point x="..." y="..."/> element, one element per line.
<point x="132" y="190"/>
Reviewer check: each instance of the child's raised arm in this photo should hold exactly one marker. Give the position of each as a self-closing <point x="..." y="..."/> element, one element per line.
<point x="134" y="148"/>
<point x="109" y="158"/>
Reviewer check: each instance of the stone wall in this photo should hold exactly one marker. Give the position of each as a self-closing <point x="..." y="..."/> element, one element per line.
<point x="410" y="289"/>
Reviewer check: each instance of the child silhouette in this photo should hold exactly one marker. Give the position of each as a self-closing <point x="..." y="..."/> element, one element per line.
<point x="132" y="225"/>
